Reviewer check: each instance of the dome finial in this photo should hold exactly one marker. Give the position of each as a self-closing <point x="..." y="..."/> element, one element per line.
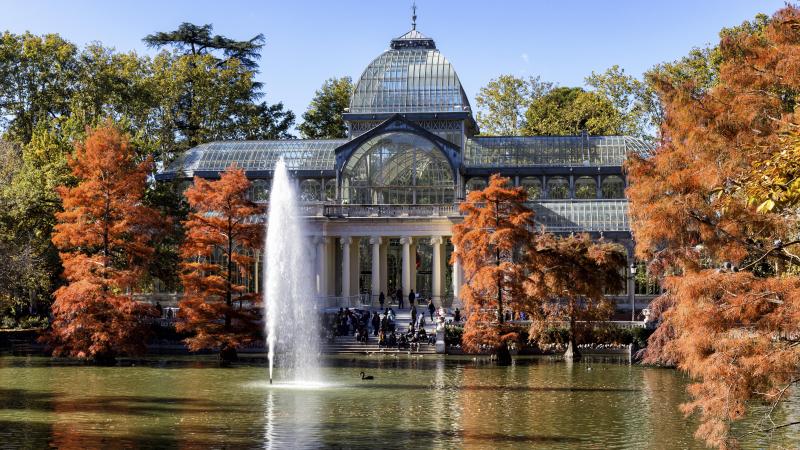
<point x="414" y="15"/>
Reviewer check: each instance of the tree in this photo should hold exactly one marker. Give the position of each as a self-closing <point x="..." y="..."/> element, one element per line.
<point x="503" y="101"/>
<point x="569" y="278"/>
<point x="570" y="111"/>
<point x="323" y="118"/>
<point x="496" y="226"/>
<point x="37" y="76"/>
<point x="730" y="268"/>
<point x="210" y="90"/>
<point x="220" y="239"/>
<point x="197" y="40"/>
<point x="103" y="236"/>
<point x="635" y="100"/>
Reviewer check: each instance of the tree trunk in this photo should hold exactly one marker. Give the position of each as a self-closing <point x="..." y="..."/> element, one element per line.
<point x="572" y="353"/>
<point x="503" y="355"/>
<point x="227" y="354"/>
<point x="108" y="358"/>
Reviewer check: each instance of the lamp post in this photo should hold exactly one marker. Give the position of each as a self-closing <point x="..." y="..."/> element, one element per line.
<point x="633" y="292"/>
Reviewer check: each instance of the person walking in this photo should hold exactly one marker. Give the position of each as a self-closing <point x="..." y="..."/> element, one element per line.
<point x="413" y="314"/>
<point x="381" y="299"/>
<point x="431" y="308"/>
<point x="400" y="299"/>
<point x="411" y="297"/>
<point x="376" y="323"/>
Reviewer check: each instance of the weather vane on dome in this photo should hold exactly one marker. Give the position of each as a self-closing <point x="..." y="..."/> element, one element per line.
<point x="414" y="15"/>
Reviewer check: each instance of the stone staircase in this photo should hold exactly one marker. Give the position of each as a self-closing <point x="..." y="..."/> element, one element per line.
<point x="348" y="344"/>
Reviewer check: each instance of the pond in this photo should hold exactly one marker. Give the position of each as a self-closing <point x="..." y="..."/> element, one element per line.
<point x="413" y="402"/>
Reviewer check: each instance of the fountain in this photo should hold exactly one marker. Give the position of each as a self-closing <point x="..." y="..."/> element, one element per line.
<point x="290" y="309"/>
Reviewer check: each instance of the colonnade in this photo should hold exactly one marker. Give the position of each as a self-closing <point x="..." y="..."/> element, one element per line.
<point x="346" y="261"/>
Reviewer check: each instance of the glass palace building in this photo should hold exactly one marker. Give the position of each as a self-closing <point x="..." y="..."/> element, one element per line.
<point x="381" y="203"/>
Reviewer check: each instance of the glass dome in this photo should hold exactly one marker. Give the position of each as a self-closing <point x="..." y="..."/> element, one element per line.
<point x="412" y="76"/>
<point x="398" y="168"/>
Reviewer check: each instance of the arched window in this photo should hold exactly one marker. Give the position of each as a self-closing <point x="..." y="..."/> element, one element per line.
<point x="533" y="186"/>
<point x="557" y="188"/>
<point x="475" y="184"/>
<point x="259" y="190"/>
<point x="585" y="188"/>
<point x="398" y="168"/>
<point x="330" y="190"/>
<point x="613" y="187"/>
<point x="310" y="191"/>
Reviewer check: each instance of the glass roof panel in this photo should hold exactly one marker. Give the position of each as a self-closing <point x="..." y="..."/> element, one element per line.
<point x="525" y="151"/>
<point x="302" y="155"/>
<point x="577" y="216"/>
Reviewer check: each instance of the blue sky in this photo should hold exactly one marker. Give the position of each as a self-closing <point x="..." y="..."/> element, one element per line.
<point x="310" y="41"/>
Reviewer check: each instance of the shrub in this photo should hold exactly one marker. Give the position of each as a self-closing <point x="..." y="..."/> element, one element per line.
<point x="34" y="322"/>
<point x="8" y="322"/>
<point x="452" y="334"/>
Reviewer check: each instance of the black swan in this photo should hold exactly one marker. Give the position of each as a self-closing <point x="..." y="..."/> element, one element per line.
<point x="368" y="377"/>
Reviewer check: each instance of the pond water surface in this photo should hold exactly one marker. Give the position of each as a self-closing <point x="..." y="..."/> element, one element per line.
<point x="413" y="402"/>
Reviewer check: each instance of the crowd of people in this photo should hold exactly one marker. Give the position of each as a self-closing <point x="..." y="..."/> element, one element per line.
<point x="383" y="324"/>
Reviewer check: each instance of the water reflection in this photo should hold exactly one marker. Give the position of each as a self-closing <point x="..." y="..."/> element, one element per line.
<point x="412" y="402"/>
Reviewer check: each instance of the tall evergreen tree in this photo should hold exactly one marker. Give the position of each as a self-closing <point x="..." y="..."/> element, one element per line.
<point x="217" y="251"/>
<point x="103" y="236"/>
<point x="199" y="72"/>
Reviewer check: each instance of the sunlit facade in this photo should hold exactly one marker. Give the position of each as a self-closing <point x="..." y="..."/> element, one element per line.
<point x="381" y="204"/>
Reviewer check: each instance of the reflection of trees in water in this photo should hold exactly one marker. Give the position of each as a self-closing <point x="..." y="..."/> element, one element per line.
<point x="498" y="410"/>
<point x="665" y="391"/>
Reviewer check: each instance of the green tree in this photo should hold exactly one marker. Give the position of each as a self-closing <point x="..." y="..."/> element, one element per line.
<point x="569" y="111"/>
<point x="37" y="77"/>
<point x="209" y="89"/>
<point x="636" y="101"/>
<point x="503" y="101"/>
<point x="323" y="118"/>
<point x="700" y="68"/>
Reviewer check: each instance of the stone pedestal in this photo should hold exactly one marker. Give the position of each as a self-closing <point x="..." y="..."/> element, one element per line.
<point x="440" y="346"/>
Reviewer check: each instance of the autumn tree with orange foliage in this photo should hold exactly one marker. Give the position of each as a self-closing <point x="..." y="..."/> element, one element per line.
<point x="568" y="278"/>
<point x="488" y="243"/>
<point x="221" y="236"/>
<point x="715" y="233"/>
<point x="104" y="240"/>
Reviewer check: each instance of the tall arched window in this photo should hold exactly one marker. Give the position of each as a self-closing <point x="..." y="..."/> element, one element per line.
<point x="310" y="191"/>
<point x="398" y="168"/>
<point x="330" y="190"/>
<point x="259" y="190"/>
<point x="585" y="188"/>
<point x="557" y="188"/>
<point x="613" y="187"/>
<point x="533" y="186"/>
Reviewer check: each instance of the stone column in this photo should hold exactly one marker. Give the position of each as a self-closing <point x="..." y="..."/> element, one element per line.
<point x="321" y="256"/>
<point x="345" y="242"/>
<point x="413" y="265"/>
<point x="330" y="267"/>
<point x="385" y="267"/>
<point x="375" y="241"/>
<point x="406" y="242"/>
<point x="436" y="272"/>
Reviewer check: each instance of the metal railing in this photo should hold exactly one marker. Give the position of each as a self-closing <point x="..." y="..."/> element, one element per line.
<point x="343" y="211"/>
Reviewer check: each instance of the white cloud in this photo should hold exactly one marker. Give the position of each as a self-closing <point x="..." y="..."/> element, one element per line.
<point x="525" y="58"/>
